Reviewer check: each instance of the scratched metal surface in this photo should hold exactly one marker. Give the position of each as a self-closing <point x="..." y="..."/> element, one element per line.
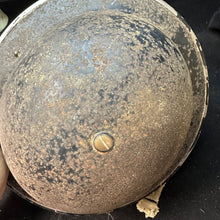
<point x="49" y="110"/>
<point x="178" y="194"/>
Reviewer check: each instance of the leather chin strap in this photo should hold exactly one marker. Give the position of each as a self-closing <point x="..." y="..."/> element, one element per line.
<point x="149" y="204"/>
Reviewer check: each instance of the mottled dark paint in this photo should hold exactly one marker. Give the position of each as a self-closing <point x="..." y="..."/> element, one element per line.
<point x="114" y="68"/>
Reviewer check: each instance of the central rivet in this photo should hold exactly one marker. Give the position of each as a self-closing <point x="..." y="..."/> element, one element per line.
<point x="103" y="142"/>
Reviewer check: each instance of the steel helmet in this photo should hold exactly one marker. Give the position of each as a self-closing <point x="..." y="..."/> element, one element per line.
<point x="101" y="101"/>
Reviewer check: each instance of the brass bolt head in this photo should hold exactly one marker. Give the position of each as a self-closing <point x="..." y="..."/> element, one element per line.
<point x="103" y="142"/>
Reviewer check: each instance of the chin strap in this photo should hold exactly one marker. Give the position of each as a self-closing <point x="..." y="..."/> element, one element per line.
<point x="149" y="204"/>
<point x="3" y="20"/>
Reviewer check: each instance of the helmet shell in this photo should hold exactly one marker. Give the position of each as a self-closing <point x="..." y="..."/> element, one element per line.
<point x="127" y="73"/>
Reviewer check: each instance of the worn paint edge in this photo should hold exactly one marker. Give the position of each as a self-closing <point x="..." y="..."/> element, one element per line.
<point x="26" y="12"/>
<point x="199" y="50"/>
<point x="166" y="5"/>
